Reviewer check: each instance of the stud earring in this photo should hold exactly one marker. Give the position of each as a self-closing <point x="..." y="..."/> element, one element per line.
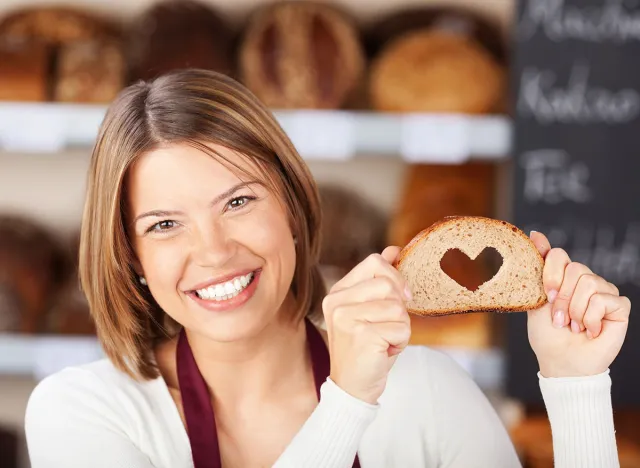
<point x="143" y="281"/>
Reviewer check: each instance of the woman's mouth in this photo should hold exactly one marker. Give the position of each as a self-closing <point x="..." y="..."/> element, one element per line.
<point x="227" y="290"/>
<point x="228" y="295"/>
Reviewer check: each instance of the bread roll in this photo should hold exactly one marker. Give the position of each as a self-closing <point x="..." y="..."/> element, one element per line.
<point x="179" y="34"/>
<point x="32" y="266"/>
<point x="23" y="71"/>
<point x="300" y="54"/>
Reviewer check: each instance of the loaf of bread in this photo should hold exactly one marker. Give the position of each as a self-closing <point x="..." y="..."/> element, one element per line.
<point x="70" y="313"/>
<point x="352" y="227"/>
<point x="174" y="34"/>
<point x="82" y="54"/>
<point x="89" y="72"/>
<point x="517" y="286"/>
<point x="301" y="54"/>
<point x="434" y="71"/>
<point x="533" y="441"/>
<point x="464" y="22"/>
<point x="32" y="267"/>
<point x="23" y="71"/>
<point x="54" y="25"/>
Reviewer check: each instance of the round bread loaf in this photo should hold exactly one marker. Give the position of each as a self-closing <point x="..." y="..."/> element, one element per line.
<point x="301" y="55"/>
<point x="83" y="54"/>
<point x="352" y="228"/>
<point x="433" y="71"/>
<point x="70" y="313"/>
<point x="180" y="34"/>
<point x="457" y="20"/>
<point x="23" y="71"/>
<point x="54" y="25"/>
<point x="32" y="266"/>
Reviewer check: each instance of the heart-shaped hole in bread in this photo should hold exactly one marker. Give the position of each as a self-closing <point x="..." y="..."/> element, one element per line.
<point x="468" y="273"/>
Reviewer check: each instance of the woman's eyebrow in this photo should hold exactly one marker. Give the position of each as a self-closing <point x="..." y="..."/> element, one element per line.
<point x="216" y="200"/>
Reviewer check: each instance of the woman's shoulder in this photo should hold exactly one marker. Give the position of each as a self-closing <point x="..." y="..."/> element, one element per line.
<point x="95" y="389"/>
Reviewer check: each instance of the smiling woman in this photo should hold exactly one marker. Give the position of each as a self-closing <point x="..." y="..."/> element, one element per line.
<point x="199" y="259"/>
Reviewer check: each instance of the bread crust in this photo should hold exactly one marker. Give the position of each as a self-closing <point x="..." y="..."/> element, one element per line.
<point x="404" y="253"/>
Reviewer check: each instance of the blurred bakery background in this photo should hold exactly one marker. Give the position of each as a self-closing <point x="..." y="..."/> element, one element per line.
<point x="401" y="108"/>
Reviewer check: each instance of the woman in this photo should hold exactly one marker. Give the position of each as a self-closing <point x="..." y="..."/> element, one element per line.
<point x="199" y="260"/>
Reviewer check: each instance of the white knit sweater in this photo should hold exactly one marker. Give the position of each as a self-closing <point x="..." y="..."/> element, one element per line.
<point x="431" y="414"/>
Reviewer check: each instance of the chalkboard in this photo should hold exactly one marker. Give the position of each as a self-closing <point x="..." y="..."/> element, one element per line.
<point x="576" y="108"/>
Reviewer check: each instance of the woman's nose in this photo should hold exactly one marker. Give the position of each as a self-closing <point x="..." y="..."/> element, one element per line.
<point x="211" y="246"/>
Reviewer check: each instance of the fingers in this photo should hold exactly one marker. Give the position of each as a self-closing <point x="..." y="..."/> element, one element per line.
<point x="345" y="316"/>
<point x="371" y="289"/>
<point x="573" y="272"/>
<point x="602" y="308"/>
<point x="553" y="272"/>
<point x="375" y="265"/>
<point x="394" y="335"/>
<point x="391" y="253"/>
<point x="588" y="285"/>
<point x="541" y="242"/>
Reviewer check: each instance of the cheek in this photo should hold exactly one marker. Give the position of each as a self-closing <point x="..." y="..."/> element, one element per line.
<point x="162" y="263"/>
<point x="269" y="236"/>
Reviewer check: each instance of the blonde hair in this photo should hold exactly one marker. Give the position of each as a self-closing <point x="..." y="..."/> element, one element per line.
<point x="193" y="107"/>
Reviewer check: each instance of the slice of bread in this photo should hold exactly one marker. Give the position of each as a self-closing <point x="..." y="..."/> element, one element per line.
<point x="516" y="287"/>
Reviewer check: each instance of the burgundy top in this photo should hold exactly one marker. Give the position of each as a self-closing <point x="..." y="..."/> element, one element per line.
<point x="196" y="401"/>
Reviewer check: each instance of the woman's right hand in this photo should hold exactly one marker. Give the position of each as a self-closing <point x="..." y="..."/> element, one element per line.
<point x="368" y="325"/>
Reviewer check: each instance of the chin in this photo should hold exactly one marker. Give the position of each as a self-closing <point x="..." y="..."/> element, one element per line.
<point x="235" y="327"/>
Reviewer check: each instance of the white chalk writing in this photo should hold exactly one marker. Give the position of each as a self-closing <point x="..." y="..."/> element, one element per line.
<point x="542" y="98"/>
<point x="551" y="177"/>
<point x="616" y="260"/>
<point x="609" y="22"/>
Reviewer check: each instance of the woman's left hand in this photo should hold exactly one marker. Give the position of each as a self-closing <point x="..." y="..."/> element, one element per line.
<point x="581" y="329"/>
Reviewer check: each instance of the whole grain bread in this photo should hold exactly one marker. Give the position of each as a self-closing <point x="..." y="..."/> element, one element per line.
<point x="516" y="287"/>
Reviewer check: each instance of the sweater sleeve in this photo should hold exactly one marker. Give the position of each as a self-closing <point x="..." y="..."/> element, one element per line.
<point x="70" y="421"/>
<point x="581" y="417"/>
<point x="468" y="431"/>
<point x="332" y="434"/>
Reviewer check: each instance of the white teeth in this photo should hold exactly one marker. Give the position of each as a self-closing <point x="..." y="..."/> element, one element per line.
<point x="226" y="290"/>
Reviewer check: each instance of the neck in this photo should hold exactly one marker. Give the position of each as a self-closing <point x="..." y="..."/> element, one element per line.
<point x="261" y="367"/>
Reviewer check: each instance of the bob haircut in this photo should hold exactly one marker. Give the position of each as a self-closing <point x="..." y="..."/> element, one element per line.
<point x="193" y="107"/>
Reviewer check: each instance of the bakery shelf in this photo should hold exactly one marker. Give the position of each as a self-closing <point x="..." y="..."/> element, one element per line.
<point x="318" y="134"/>
<point x="42" y="355"/>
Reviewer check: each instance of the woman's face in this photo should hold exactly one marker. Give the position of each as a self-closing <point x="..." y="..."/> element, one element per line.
<point x="215" y="246"/>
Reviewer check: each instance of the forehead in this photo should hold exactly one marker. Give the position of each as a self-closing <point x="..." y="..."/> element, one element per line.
<point x="180" y="172"/>
<point x="179" y="160"/>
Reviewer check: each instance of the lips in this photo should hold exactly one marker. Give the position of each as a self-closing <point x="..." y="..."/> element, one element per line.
<point x="209" y="299"/>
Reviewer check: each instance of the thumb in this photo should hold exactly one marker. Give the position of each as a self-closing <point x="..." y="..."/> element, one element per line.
<point x="391" y="253"/>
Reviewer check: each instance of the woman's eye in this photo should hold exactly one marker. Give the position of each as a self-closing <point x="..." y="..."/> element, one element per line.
<point x="239" y="202"/>
<point x="162" y="226"/>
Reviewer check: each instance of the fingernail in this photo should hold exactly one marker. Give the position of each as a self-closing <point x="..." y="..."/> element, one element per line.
<point x="589" y="334"/>
<point x="532" y="232"/>
<point x="407" y="293"/>
<point x="558" y="319"/>
<point x="575" y="328"/>
<point x="551" y="296"/>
